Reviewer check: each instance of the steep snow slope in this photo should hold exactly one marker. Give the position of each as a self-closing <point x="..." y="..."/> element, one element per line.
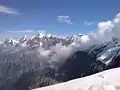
<point x="106" y="80"/>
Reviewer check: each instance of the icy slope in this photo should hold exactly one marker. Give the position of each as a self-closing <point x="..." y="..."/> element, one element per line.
<point x="106" y="80"/>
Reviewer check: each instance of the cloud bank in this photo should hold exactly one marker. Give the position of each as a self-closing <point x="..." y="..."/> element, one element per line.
<point x="106" y="30"/>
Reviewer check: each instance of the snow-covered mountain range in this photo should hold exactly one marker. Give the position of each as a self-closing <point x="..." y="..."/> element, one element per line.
<point x="40" y="40"/>
<point x="58" y="59"/>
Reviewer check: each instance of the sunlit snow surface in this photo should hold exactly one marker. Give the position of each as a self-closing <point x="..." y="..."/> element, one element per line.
<point x="106" y="80"/>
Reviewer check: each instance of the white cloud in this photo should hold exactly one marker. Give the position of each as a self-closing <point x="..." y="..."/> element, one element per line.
<point x="89" y="23"/>
<point x="106" y="30"/>
<point x="64" y="19"/>
<point x="109" y="29"/>
<point x="105" y="26"/>
<point x="41" y="31"/>
<point x="21" y="31"/>
<point x="84" y="38"/>
<point x="8" y="10"/>
<point x="27" y="31"/>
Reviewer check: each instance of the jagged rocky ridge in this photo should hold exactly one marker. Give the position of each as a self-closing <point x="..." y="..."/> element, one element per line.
<point x="20" y="60"/>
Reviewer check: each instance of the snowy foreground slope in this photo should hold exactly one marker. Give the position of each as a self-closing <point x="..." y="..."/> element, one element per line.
<point x="106" y="80"/>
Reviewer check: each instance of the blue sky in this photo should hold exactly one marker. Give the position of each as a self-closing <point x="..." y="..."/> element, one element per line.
<point x="55" y="16"/>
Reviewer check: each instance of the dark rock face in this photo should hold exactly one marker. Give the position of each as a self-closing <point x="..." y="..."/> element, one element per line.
<point x="115" y="63"/>
<point x="30" y="80"/>
<point x="97" y="58"/>
<point x="79" y="65"/>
